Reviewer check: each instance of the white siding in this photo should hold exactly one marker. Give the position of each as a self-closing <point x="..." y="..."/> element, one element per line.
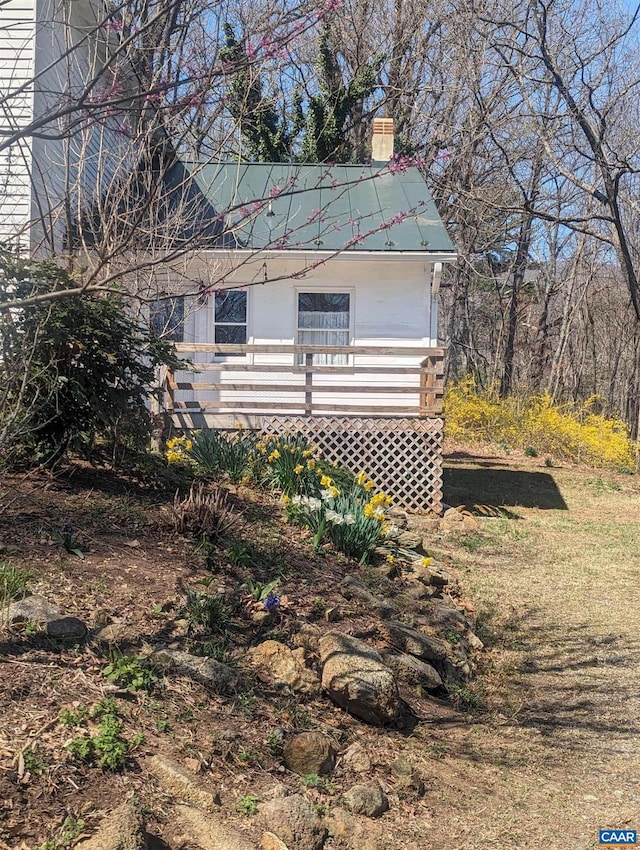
<point x="39" y="175"/>
<point x="16" y="70"/>
<point x="391" y="306"/>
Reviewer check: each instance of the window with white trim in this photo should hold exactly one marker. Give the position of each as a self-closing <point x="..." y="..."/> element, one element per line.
<point x="166" y="318"/>
<point x="230" y="317"/>
<point x="324" y="318"/>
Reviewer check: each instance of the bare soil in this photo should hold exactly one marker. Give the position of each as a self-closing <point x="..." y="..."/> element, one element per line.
<point x="541" y="751"/>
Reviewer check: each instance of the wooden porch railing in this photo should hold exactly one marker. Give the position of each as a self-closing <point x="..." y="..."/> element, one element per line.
<point x="423" y="380"/>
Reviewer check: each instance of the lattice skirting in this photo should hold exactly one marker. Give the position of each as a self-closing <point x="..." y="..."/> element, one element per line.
<point x="402" y="456"/>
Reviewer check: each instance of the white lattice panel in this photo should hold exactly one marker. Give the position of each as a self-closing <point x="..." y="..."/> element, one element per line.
<point x="402" y="456"/>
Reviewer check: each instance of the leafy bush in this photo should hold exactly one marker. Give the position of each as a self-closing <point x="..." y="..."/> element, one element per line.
<point x="75" y="370"/>
<point x="537" y="424"/>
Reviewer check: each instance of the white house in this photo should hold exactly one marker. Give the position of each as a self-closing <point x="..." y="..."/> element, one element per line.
<point x="309" y="300"/>
<point x="320" y="315"/>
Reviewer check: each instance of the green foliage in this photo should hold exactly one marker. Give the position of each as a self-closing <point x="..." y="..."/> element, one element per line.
<point x="531" y="451"/>
<point x="312" y="780"/>
<point x="33" y="762"/>
<point x="214" y="452"/>
<point x="71" y="829"/>
<point x="247" y="805"/>
<point x="206" y="613"/>
<point x="75" y="370"/>
<point x="316" y="127"/>
<point x="107" y="748"/>
<point x="14" y="582"/>
<point x="291" y="464"/>
<point x="260" y="591"/>
<point x="67" y="537"/>
<point x="128" y="672"/>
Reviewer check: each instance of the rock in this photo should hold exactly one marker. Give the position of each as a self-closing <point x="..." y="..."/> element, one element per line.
<point x="409" y="780"/>
<point x="309" y="752"/>
<point x="470" y="523"/>
<point x="213" y="674"/>
<point x="31" y="609"/>
<point x="357" y="679"/>
<point x="285" y="667"/>
<point x="368" y="800"/>
<point x="353" y="588"/>
<point x="455" y="671"/>
<point x="348" y="831"/>
<point x="66" y="628"/>
<point x="412" y="669"/>
<point x="473" y="640"/>
<point x="429" y="524"/>
<point x="115" y="633"/>
<point x="440" y="615"/>
<point x="412" y="641"/>
<point x="356" y="758"/>
<point x="208" y="833"/>
<point x="182" y="786"/>
<point x="121" y="829"/>
<point x="308" y="637"/>
<point x="294" y="821"/>
<point x="409" y="540"/>
<point x="272" y="842"/>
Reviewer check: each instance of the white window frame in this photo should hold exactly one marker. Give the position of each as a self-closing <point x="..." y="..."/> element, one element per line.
<point x="233" y="358"/>
<point x="325" y="290"/>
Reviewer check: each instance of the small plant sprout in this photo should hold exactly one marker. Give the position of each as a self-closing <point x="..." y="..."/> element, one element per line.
<point x="247" y="805"/>
<point x="67" y="536"/>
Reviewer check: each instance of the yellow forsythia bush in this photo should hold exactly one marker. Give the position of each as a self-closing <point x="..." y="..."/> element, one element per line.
<point x="570" y="431"/>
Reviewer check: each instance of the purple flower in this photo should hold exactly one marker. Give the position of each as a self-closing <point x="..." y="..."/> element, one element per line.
<point x="271" y="603"/>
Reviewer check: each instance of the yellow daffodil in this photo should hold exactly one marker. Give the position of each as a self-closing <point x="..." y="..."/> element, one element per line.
<point x="426" y="562"/>
<point x="311" y="464"/>
<point x="298" y="469"/>
<point x="326" y="481"/>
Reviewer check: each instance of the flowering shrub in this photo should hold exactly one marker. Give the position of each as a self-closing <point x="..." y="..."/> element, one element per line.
<point x="574" y="432"/>
<point x="291" y="464"/>
<point x="353" y="522"/>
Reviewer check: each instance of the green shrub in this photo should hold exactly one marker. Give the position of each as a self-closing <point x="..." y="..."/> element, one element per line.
<point x="75" y="370"/>
<point x="291" y="464"/>
<point x="107" y="748"/>
<point x="215" y="452"/>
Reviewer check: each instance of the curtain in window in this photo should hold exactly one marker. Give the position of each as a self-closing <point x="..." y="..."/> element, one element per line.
<point x="323" y="319"/>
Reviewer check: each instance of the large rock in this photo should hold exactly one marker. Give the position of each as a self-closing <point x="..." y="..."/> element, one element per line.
<point x="215" y="675"/>
<point x="368" y="800"/>
<point x="409" y="780"/>
<point x="410" y="640"/>
<point x="350" y="832"/>
<point x="285" y="667"/>
<point x="66" y="628"/>
<point x="121" y="829"/>
<point x="31" y="609"/>
<point x="440" y="614"/>
<point x="208" y="833"/>
<point x="309" y="752"/>
<point x="356" y="758"/>
<point x="357" y="679"/>
<point x="182" y="786"/>
<point x="411" y="669"/>
<point x="353" y="588"/>
<point x="294" y="821"/>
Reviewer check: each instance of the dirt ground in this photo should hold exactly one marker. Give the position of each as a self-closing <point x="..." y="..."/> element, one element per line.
<point x="542" y="751"/>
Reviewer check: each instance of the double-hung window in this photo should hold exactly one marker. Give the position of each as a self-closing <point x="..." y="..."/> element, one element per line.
<point x="230" y="317"/>
<point x="324" y="318"/>
<point x="166" y="318"/>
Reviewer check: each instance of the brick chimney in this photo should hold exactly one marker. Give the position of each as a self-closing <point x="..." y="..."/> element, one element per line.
<point x="382" y="140"/>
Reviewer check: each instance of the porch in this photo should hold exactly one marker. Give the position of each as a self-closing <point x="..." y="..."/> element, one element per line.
<point x="379" y="408"/>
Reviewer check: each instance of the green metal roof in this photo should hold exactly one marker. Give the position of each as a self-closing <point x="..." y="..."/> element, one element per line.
<point x="324" y="208"/>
